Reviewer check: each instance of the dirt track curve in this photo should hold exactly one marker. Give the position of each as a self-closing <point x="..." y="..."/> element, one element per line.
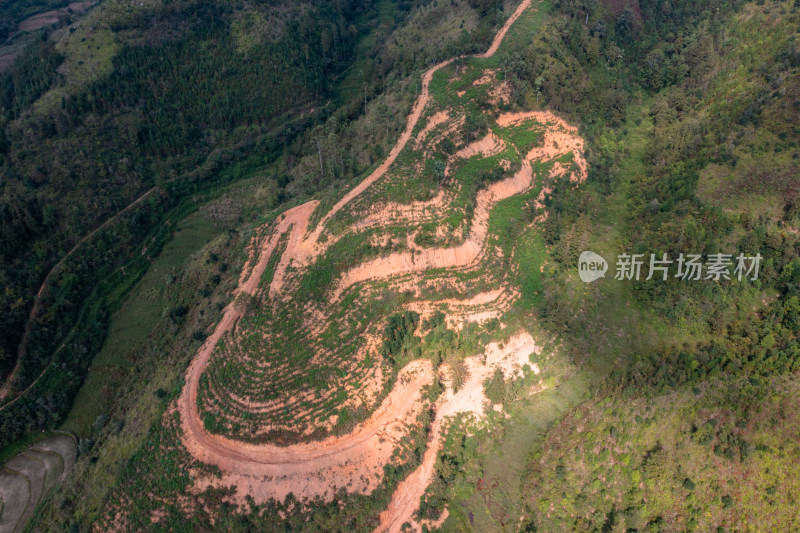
<point x="6" y="387"/>
<point x="268" y="470"/>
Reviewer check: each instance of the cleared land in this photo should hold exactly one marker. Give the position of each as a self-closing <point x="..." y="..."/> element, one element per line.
<point x="279" y="395"/>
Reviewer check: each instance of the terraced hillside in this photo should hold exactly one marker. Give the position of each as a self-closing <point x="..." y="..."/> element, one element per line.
<point x="29" y="477"/>
<point x="405" y="343"/>
<point x="304" y="352"/>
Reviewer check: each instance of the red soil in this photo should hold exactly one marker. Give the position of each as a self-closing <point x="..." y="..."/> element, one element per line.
<point x="356" y="460"/>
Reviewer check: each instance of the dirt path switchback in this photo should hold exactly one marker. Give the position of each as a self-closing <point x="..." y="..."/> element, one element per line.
<point x="355" y="461"/>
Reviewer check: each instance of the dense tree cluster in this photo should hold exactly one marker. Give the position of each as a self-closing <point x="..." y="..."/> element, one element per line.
<point x="31" y="74"/>
<point x="669" y="53"/>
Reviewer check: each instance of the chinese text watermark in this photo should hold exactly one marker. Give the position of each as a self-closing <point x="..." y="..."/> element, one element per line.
<point x="687" y="267"/>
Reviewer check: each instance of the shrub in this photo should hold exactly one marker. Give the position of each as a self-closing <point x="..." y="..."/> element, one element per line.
<point x="727" y="501"/>
<point x="399" y="340"/>
<point x="496" y="388"/>
<point x="100" y="422"/>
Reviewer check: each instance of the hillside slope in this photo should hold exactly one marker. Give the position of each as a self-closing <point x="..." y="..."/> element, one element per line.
<point x="414" y="349"/>
<point x="116" y="123"/>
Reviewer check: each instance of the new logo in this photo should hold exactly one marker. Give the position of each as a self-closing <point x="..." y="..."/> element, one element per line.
<point x="591" y="267"/>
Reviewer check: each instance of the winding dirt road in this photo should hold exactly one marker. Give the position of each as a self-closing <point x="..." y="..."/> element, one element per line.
<point x="308" y="247"/>
<point x="356" y="460"/>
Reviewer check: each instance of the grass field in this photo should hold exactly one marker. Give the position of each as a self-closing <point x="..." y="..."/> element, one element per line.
<point x="126" y="345"/>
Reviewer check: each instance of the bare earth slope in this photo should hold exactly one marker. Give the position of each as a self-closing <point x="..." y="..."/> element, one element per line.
<point x="355" y="461"/>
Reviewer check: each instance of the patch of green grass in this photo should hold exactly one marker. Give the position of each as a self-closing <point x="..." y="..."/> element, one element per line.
<point x="529" y="256"/>
<point x="486" y="490"/>
<point x="87" y="57"/>
<point x="346" y="253"/>
<point x="438" y="87"/>
<point x="272" y="265"/>
<point x="130" y="326"/>
<point x="506" y="465"/>
<point x="523" y="136"/>
<point x="521" y="33"/>
<point x="409" y="188"/>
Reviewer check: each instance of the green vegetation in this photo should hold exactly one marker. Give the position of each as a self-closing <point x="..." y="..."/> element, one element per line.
<point x="720" y="457"/>
<point x="77" y="148"/>
<point x="657" y="406"/>
<point x="663" y="159"/>
<point x="651" y="167"/>
<point x="141" y="133"/>
<point x="31" y="74"/>
<point x="400" y="345"/>
<point x="482" y="470"/>
<point x="646" y="194"/>
<point x="161" y="468"/>
<point x="345" y="254"/>
<point x="161" y="291"/>
<point x="13" y="12"/>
